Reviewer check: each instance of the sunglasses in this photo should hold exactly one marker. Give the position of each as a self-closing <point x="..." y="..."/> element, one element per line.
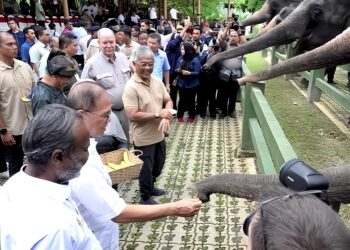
<point x="320" y="194"/>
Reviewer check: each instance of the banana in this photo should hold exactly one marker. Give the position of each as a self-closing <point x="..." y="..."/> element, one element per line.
<point x="126" y="158"/>
<point x="109" y="168"/>
<point x="123" y="164"/>
<point x="114" y="166"/>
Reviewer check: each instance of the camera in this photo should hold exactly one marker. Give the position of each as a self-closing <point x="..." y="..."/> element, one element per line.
<point x="297" y="175"/>
<point x="235" y="24"/>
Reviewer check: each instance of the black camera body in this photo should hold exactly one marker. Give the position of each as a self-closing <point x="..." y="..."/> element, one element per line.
<point x="297" y="175"/>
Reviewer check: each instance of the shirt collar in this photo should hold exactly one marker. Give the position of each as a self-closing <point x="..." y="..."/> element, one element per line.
<point x="41" y="44"/>
<point x="108" y="59"/>
<point x="139" y="80"/>
<point x="4" y="66"/>
<point x="44" y="188"/>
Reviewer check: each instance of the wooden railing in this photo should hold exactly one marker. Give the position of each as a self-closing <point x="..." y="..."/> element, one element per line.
<point x="261" y="132"/>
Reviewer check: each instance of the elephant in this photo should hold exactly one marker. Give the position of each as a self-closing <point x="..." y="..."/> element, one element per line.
<point x="271" y="9"/>
<point x="335" y="52"/>
<point x="250" y="186"/>
<point x="313" y="23"/>
<point x="272" y="12"/>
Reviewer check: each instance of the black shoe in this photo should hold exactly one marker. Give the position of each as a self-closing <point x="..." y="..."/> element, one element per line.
<point x="158" y="192"/>
<point x="213" y="116"/>
<point x="202" y="116"/>
<point x="232" y="115"/>
<point x="150" y="201"/>
<point x="222" y="116"/>
<point x="331" y="82"/>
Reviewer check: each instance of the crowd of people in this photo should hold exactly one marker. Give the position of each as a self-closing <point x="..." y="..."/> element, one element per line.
<point x="67" y="97"/>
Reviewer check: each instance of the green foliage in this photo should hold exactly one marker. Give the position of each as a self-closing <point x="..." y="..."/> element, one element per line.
<point x="214" y="9"/>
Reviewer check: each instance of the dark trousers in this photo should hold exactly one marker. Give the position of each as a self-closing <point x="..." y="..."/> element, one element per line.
<point x="330" y="72"/>
<point x="108" y="143"/>
<point x="14" y="155"/>
<point x="228" y="96"/>
<point x="3" y="166"/>
<point x="207" y="95"/>
<point x="173" y="91"/>
<point x="41" y="23"/>
<point x="187" y="101"/>
<point x="153" y="158"/>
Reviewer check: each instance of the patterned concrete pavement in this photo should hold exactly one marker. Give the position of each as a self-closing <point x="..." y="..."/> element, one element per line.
<point x="194" y="151"/>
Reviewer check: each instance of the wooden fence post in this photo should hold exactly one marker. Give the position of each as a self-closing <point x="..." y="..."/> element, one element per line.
<point x="314" y="93"/>
<point x="249" y="112"/>
<point x="274" y="59"/>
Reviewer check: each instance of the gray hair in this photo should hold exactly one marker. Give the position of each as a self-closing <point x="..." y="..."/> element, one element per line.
<point x="298" y="222"/>
<point x="50" y="129"/>
<point x="84" y="95"/>
<point x="143" y="51"/>
<point x="104" y="31"/>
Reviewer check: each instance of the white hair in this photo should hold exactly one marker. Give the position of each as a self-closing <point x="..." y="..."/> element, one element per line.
<point x="103" y="32"/>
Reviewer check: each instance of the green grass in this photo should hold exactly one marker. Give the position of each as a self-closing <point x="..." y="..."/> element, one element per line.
<point x="314" y="137"/>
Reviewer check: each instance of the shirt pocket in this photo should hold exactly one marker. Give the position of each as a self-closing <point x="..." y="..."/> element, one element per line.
<point x="126" y="74"/>
<point x="106" y="80"/>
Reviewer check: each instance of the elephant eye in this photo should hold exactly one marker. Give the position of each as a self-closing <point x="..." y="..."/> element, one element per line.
<point x="317" y="11"/>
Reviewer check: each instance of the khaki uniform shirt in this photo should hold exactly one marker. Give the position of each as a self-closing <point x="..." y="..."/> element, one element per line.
<point x="128" y="50"/>
<point x="147" y="98"/>
<point x="112" y="75"/>
<point x="15" y="82"/>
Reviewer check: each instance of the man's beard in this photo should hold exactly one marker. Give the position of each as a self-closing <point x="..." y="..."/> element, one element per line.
<point x="73" y="171"/>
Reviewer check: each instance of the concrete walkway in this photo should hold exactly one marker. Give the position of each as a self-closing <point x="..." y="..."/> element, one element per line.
<point x="195" y="151"/>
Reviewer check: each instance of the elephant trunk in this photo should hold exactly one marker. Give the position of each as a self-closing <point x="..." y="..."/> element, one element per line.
<point x="237" y="185"/>
<point x="269" y="26"/>
<point x="250" y="186"/>
<point x="291" y="28"/>
<point x="260" y="16"/>
<point x="335" y="52"/>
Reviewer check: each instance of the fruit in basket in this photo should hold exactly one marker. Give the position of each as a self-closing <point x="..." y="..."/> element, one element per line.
<point x="126" y="158"/>
<point x="114" y="166"/>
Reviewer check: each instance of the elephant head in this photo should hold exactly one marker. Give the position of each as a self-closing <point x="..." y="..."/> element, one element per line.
<point x="269" y="10"/>
<point x="313" y="23"/>
<point x="250" y="186"/>
<point x="333" y="53"/>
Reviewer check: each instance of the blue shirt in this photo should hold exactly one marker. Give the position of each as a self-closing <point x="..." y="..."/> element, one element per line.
<point x="161" y="64"/>
<point x="189" y="81"/>
<point x="173" y="52"/>
<point x="24" y="54"/>
<point x="19" y="38"/>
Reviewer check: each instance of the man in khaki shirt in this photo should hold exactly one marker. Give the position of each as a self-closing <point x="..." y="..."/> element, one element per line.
<point x="147" y="104"/>
<point x="16" y="81"/>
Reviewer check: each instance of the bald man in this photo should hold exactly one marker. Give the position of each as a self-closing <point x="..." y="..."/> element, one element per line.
<point x="16" y="81"/>
<point x="110" y="69"/>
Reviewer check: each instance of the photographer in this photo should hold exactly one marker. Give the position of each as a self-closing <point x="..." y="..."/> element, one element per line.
<point x="230" y="71"/>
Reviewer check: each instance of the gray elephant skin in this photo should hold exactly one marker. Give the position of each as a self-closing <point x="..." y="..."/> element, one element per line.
<point x="335" y="52"/>
<point x="270" y="10"/>
<point x="250" y="186"/>
<point x="313" y="23"/>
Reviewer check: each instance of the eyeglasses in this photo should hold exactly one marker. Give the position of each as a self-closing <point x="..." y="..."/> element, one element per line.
<point x="144" y="65"/>
<point x="104" y="116"/>
<point x="250" y="217"/>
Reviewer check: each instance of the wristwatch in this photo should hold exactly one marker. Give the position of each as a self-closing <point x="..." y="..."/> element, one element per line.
<point x="3" y="131"/>
<point x="157" y="115"/>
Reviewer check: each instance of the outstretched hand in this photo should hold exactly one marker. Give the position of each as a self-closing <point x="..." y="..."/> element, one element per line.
<point x="187" y="207"/>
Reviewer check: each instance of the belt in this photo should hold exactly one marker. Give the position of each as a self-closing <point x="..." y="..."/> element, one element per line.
<point x="119" y="109"/>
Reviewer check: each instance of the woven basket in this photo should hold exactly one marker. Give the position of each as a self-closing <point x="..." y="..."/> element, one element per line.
<point x="123" y="174"/>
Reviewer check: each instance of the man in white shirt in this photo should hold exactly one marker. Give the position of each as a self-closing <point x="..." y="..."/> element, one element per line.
<point x="173" y="14"/>
<point x="40" y="213"/>
<point x="39" y="49"/>
<point x="153" y="15"/>
<point x="100" y="205"/>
